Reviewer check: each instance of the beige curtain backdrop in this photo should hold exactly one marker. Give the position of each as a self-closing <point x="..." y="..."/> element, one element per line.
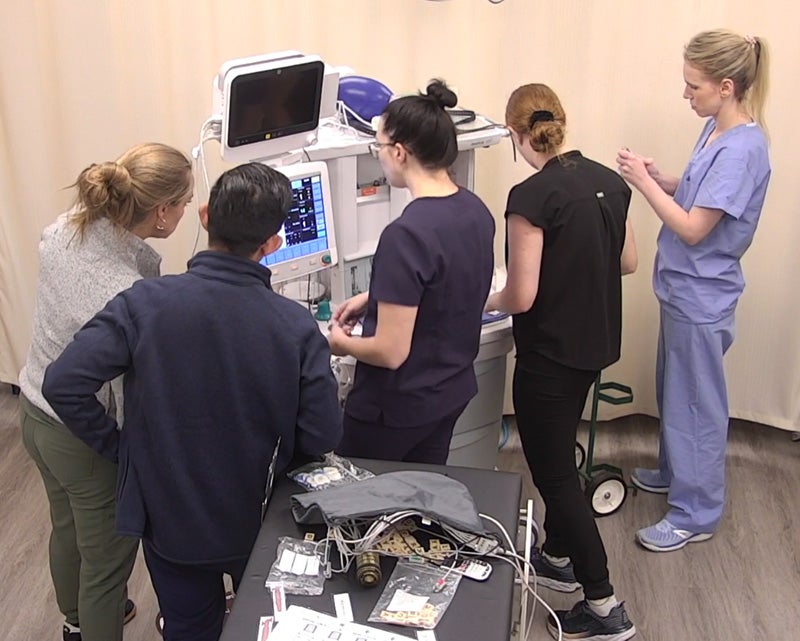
<point x="81" y="80"/>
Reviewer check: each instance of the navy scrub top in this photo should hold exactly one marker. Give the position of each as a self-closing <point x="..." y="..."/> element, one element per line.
<point x="437" y="256"/>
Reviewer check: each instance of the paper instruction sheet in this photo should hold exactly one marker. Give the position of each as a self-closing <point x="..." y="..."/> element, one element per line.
<point x="302" y="624"/>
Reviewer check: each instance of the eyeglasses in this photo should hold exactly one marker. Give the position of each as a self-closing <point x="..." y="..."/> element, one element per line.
<point x="375" y="147"/>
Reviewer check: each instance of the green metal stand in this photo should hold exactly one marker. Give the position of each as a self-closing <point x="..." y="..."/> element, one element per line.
<point x="605" y="485"/>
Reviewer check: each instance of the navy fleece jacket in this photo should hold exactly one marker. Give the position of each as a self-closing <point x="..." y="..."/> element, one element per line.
<point x="217" y="367"/>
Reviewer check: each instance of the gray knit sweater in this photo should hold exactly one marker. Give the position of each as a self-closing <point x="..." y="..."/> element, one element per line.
<point x="77" y="277"/>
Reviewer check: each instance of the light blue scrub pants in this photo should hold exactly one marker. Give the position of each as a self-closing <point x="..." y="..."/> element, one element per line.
<point x="693" y="404"/>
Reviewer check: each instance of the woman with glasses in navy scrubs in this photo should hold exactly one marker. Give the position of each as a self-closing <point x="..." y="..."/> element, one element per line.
<point x="431" y="275"/>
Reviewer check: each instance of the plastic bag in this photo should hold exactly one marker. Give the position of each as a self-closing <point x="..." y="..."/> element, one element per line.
<point x="416" y="595"/>
<point x="333" y="471"/>
<point x="298" y="566"/>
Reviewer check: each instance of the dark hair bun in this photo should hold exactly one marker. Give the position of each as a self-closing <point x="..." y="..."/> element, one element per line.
<point x="441" y="94"/>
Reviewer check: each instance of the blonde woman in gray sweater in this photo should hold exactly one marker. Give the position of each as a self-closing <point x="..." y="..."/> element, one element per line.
<point x="89" y="255"/>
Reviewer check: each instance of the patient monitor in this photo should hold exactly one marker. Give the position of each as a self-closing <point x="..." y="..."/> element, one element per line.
<point x="309" y="243"/>
<point x="269" y="104"/>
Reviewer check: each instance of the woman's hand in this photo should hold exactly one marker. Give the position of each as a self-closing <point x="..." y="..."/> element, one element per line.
<point x="636" y="169"/>
<point x="492" y="302"/>
<point x="346" y="315"/>
<point x="337" y="340"/>
<point x="630" y="168"/>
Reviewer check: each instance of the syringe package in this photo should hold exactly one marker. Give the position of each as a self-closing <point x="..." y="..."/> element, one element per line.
<point x="299" y="566"/>
<point x="416" y="595"/>
<point x="332" y="472"/>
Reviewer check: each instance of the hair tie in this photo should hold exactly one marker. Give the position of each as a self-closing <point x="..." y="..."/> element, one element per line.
<point x="751" y="40"/>
<point x="540" y="116"/>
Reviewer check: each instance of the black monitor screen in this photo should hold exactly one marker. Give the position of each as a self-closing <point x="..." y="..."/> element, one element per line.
<point x="274" y="103"/>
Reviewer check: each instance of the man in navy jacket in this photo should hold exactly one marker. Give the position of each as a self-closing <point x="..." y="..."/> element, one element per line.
<point x="217" y="367"/>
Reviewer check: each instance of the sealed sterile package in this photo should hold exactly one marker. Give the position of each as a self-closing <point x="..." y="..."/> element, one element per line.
<point x="354" y="472"/>
<point x="298" y="566"/>
<point x="333" y="471"/>
<point x="416" y="595"/>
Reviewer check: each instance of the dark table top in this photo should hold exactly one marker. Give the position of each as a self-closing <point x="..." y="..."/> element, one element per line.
<point x="480" y="610"/>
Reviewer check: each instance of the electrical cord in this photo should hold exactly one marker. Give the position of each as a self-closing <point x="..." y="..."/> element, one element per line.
<point x="461" y="116"/>
<point x="533" y="591"/>
<point x="211" y="129"/>
<point x="357" y="122"/>
<point x="491" y="124"/>
<point x="349" y="541"/>
<point x="516" y="559"/>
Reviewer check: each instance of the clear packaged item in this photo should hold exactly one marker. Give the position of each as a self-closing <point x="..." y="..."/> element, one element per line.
<point x="333" y="471"/>
<point x="416" y="595"/>
<point x="298" y="567"/>
<point x="351" y="470"/>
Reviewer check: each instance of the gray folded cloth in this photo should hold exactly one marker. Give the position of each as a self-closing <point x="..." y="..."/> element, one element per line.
<point x="436" y="496"/>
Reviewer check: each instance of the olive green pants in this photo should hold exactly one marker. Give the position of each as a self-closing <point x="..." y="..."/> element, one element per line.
<point x="89" y="563"/>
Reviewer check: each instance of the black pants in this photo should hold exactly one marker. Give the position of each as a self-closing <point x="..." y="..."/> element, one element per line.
<point x="548" y="401"/>
<point x="191" y="597"/>
<point x="429" y="443"/>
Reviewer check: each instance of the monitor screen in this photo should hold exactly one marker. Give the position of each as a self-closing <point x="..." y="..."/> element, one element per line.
<point x="308" y="239"/>
<point x="274" y="103"/>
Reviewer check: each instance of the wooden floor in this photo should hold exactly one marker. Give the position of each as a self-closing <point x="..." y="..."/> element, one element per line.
<point x="744" y="584"/>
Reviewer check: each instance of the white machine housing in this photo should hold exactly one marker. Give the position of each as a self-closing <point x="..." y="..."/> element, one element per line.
<point x="242" y="138"/>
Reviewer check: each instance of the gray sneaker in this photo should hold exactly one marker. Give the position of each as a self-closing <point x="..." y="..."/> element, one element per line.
<point x="581" y="622"/>
<point x="551" y="576"/>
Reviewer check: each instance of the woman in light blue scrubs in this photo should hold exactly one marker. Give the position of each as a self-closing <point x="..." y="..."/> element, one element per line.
<point x="710" y="216"/>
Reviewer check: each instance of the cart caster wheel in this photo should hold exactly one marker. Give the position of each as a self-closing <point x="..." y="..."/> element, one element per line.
<point x="606" y="493"/>
<point x="580" y="455"/>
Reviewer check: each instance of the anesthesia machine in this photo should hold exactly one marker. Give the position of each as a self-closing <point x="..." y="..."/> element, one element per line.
<point x="313" y="122"/>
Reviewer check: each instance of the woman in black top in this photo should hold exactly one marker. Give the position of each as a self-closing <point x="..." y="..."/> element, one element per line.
<point x="569" y="242"/>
